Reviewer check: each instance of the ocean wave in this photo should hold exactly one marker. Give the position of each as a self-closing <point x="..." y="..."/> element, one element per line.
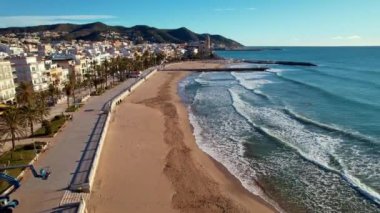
<point x="362" y="188"/>
<point x="331" y="128"/>
<point x="235" y="164"/>
<point x="254" y="83"/>
<point x="226" y="149"/>
<point x="211" y="80"/>
<point x="313" y="147"/>
<point x="277" y="121"/>
<point x="202" y="82"/>
<point x="372" y="72"/>
<point x="367" y="104"/>
<point x="317" y="71"/>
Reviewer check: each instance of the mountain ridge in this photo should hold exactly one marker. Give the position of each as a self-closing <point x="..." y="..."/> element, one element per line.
<point x="93" y="32"/>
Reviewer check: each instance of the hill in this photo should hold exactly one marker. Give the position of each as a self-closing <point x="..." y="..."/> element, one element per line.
<point x="96" y="31"/>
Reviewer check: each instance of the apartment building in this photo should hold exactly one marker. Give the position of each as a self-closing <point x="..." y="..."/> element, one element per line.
<point x="7" y="85"/>
<point x="28" y="69"/>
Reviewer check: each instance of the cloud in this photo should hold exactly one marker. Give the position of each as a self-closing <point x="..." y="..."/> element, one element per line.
<point x="16" y="21"/>
<point x="352" y="37"/>
<point x="234" y="9"/>
<point x="224" y="9"/>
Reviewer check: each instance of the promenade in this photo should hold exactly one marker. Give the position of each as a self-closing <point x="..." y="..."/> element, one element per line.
<point x="68" y="156"/>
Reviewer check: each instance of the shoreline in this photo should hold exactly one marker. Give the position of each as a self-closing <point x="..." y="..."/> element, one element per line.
<point x="152" y="147"/>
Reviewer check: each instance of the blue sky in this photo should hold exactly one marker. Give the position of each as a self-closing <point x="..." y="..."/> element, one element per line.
<point x="251" y="22"/>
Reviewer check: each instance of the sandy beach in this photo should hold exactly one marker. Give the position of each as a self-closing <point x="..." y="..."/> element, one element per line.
<point x="151" y="162"/>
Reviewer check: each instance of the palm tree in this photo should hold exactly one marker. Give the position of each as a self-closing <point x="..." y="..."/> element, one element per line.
<point x="160" y="57"/>
<point x="106" y="71"/>
<point x="25" y="94"/>
<point x="93" y="74"/>
<point x="99" y="76"/>
<point x="146" y="60"/>
<point x="87" y="82"/>
<point x="68" y="90"/>
<point x="114" y="67"/>
<point x="129" y="66"/>
<point x="122" y="69"/>
<point x="53" y="93"/>
<point x="30" y="113"/>
<point x="73" y="84"/>
<point x="42" y="106"/>
<point x="13" y="123"/>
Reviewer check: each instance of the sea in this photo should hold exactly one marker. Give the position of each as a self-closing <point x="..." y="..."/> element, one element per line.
<point x="305" y="139"/>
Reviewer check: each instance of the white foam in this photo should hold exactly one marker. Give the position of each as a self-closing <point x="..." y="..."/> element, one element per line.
<point x="201" y="81"/>
<point x="363" y="188"/>
<point x="315" y="147"/>
<point x="237" y="165"/>
<point x="274" y="70"/>
<point x="279" y="125"/>
<point x="252" y="81"/>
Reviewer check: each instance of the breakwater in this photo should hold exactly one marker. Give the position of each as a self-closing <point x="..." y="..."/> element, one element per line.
<point x="286" y="63"/>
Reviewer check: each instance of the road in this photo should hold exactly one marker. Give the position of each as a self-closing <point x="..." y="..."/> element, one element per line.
<point x="62" y="157"/>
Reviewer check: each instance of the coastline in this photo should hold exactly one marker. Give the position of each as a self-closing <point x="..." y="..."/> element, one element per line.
<point x="156" y="163"/>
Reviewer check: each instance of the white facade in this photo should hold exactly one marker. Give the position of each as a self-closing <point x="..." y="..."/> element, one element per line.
<point x="11" y="50"/>
<point x="28" y="69"/>
<point x="7" y="85"/>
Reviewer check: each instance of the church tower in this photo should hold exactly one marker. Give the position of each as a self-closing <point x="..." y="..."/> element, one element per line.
<point x="208" y="43"/>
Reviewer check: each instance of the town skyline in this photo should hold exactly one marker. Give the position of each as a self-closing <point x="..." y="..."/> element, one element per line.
<point x="252" y="23"/>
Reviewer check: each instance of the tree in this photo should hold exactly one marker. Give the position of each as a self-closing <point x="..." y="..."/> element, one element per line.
<point x="47" y="126"/>
<point x="13" y="123"/>
<point x="114" y="67"/>
<point x="98" y="77"/>
<point x="93" y="74"/>
<point x="106" y="71"/>
<point x="53" y="93"/>
<point x="25" y="94"/>
<point x="68" y="91"/>
<point x="160" y="58"/>
<point x="37" y="111"/>
<point x="42" y="106"/>
<point x="123" y="63"/>
<point x="73" y="84"/>
<point x="88" y="81"/>
<point x="129" y="66"/>
<point x="31" y="115"/>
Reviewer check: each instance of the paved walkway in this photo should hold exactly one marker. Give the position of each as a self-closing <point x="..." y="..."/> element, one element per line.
<point x="64" y="154"/>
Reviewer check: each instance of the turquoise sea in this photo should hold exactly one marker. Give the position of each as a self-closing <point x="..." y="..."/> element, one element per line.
<point x="306" y="139"/>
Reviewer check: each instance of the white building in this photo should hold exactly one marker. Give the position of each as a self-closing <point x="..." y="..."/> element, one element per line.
<point x="56" y="75"/>
<point x="7" y="85"/>
<point x="11" y="50"/>
<point x="28" y="69"/>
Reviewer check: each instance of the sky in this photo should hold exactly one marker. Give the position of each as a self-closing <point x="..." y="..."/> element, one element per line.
<point x="250" y="22"/>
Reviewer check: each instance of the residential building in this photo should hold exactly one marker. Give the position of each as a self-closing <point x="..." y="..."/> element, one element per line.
<point x="56" y="75"/>
<point x="28" y="69"/>
<point x="7" y="85"/>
